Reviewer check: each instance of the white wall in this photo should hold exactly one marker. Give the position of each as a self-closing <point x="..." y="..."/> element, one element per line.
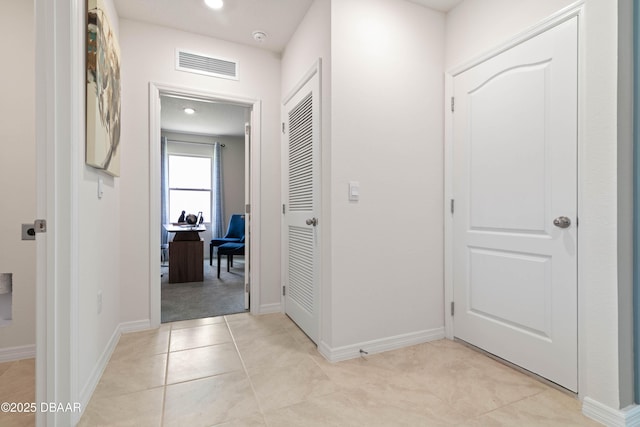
<point x="98" y="261"/>
<point x="148" y="55"/>
<point x="18" y="169"/>
<point x="598" y="220"/>
<point x="475" y="27"/>
<point x="626" y="77"/>
<point x="382" y="91"/>
<point x="387" y="133"/>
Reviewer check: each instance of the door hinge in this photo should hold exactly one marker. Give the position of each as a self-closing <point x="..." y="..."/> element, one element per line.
<point x="284" y="290"/>
<point x="282" y="127"/>
<point x="283" y="208"/>
<point x="247" y="130"/>
<point x="453" y="104"/>
<point x="453" y="202"/>
<point x="453" y="308"/>
<point x="247" y="208"/>
<point x="40" y="225"/>
<point x="247" y="287"/>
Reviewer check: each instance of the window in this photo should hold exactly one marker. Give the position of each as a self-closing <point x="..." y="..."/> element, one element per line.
<point x="189" y="186"/>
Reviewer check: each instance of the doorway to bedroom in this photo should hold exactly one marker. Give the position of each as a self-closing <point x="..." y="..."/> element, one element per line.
<point x="204" y="167"/>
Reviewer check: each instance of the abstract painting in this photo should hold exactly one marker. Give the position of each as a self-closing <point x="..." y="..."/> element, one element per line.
<point x="103" y="91"/>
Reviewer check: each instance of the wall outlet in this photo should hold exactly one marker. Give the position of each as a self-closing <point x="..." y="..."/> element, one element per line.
<point x="99" y="302"/>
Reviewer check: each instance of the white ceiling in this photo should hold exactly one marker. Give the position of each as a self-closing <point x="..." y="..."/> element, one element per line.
<point x="235" y="22"/>
<point x="441" y="5"/>
<point x="210" y="118"/>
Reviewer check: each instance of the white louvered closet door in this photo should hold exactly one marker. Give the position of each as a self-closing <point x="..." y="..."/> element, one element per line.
<point x="301" y="249"/>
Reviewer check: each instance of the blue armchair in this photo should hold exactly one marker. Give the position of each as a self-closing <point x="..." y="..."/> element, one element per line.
<point x="235" y="234"/>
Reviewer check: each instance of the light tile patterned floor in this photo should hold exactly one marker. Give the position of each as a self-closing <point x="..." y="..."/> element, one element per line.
<point x="18" y="385"/>
<point x="244" y="370"/>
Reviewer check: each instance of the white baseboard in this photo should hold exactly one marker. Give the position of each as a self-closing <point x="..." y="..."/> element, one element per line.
<point x="11" y="354"/>
<point x="379" y="345"/>
<point x="138" y="325"/>
<point x="101" y="364"/>
<point x="270" y="308"/>
<point x="90" y="386"/>
<point x="627" y="417"/>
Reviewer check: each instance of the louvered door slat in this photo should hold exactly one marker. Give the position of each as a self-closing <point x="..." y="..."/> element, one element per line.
<point x="300" y="156"/>
<point x="301" y="199"/>
<point x="301" y="266"/>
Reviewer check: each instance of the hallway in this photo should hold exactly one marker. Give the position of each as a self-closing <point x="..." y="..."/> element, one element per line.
<point x="244" y="370"/>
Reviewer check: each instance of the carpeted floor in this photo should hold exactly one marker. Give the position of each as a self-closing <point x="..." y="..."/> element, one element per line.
<point x="212" y="297"/>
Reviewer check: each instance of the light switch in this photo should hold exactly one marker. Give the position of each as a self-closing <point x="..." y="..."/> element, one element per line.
<point x="354" y="191"/>
<point x="100" y="188"/>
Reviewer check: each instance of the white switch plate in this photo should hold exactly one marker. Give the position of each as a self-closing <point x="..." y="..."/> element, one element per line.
<point x="100" y="188"/>
<point x="354" y="191"/>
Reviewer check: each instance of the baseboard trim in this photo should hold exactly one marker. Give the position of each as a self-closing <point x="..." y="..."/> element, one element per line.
<point x="98" y="370"/>
<point x="101" y="364"/>
<point x="270" y="308"/>
<point x="627" y="417"/>
<point x="380" y="345"/>
<point x="138" y="325"/>
<point x="11" y="354"/>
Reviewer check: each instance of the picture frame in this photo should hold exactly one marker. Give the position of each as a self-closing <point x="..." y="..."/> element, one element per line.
<point x="103" y="91"/>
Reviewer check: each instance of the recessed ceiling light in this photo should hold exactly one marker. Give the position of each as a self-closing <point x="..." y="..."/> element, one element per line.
<point x="214" y="4"/>
<point x="189" y="110"/>
<point x="259" y="36"/>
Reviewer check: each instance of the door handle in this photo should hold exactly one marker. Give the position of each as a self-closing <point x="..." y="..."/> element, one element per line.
<point x="562" y="222"/>
<point x="312" y="221"/>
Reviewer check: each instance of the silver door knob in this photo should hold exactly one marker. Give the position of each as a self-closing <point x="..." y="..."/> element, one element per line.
<point x="562" y="222"/>
<point x="312" y="221"/>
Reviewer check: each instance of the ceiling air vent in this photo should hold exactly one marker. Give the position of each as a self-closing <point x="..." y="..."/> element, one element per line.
<point x="208" y="65"/>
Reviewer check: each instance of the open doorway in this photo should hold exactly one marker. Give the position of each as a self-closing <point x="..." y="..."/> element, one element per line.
<point x="204" y="172"/>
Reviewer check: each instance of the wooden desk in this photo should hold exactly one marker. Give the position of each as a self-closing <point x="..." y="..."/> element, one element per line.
<point x="186" y="254"/>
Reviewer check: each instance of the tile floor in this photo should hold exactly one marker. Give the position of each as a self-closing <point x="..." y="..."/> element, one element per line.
<point x="18" y="385"/>
<point x="244" y="370"/>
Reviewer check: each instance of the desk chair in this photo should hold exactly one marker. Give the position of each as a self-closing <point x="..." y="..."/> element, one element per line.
<point x="229" y="249"/>
<point x="235" y="234"/>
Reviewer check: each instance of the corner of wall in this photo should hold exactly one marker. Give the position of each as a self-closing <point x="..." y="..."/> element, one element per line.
<point x="625" y="207"/>
<point x="627" y="417"/>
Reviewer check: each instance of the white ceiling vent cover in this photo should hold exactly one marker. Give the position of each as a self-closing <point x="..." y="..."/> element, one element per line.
<point x="201" y="64"/>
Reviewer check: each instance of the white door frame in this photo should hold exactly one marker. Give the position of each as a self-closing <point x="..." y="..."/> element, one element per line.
<point x="155" y="91"/>
<point x="247" y="209"/>
<point x="59" y="80"/>
<point x="574" y="10"/>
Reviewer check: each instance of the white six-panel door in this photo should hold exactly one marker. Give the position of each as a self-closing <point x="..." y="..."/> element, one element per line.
<point x="301" y="250"/>
<point x="514" y="174"/>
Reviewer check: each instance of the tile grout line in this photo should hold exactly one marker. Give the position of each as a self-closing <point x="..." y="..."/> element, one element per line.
<point x="508" y="404"/>
<point x="166" y="375"/>
<point x="255" y="395"/>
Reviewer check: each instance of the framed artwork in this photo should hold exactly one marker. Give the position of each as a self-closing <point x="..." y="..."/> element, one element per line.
<point x="103" y="91"/>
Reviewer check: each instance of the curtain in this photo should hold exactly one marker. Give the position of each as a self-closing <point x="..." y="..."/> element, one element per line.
<point x="217" y="208"/>
<point x="164" y="189"/>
